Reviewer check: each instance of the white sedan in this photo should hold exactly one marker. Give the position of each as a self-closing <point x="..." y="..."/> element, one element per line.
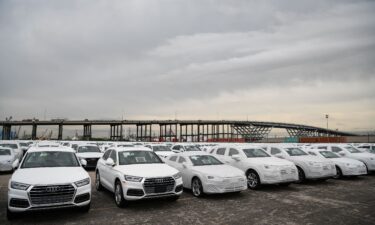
<point x="8" y="159"/>
<point x="344" y="166"/>
<point x="203" y="173"/>
<point x="259" y="167"/>
<point x="162" y="150"/>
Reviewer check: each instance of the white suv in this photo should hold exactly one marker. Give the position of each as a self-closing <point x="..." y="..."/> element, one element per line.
<point x="135" y="173"/>
<point x="49" y="178"/>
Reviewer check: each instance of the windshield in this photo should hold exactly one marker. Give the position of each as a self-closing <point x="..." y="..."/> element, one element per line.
<point x="161" y="148"/>
<point x="352" y="150"/>
<point x="138" y="157"/>
<point x="255" y="153"/>
<point x="50" y="159"/>
<point x="191" y="148"/>
<point x="85" y="149"/>
<point x="12" y="146"/>
<point x="204" y="160"/>
<point x="125" y="146"/>
<point x="329" y="155"/>
<point x="295" y="152"/>
<point x="24" y="144"/>
<point x="5" y="152"/>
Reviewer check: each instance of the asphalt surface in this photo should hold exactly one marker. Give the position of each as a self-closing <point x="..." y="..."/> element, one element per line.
<point x="346" y="201"/>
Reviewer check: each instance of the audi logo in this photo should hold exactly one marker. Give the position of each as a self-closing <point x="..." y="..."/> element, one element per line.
<point x="52" y="189"/>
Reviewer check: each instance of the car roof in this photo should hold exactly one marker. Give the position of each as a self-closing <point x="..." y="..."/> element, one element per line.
<point x="135" y="148"/>
<point x="51" y="149"/>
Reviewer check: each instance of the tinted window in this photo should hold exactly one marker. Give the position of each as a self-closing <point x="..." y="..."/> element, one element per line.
<point x="50" y="159"/>
<point x="221" y="151"/>
<point x="177" y="147"/>
<point x="329" y="155"/>
<point x="295" y="152"/>
<point x="5" y="152"/>
<point x="173" y="158"/>
<point x="138" y="157"/>
<point x="106" y="154"/>
<point x="233" y="151"/>
<point x="84" y="149"/>
<point x="352" y="150"/>
<point x="275" y="151"/>
<point x="204" y="160"/>
<point x="255" y="152"/>
<point x="322" y="147"/>
<point x="336" y="149"/>
<point x="181" y="159"/>
<point x="12" y="146"/>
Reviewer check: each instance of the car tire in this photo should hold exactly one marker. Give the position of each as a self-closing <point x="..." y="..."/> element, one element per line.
<point x="338" y="173"/>
<point x="11" y="215"/>
<point x="253" y="180"/>
<point x="98" y="185"/>
<point x="119" y="195"/>
<point x="85" y="208"/>
<point x="301" y="176"/>
<point x="197" y="188"/>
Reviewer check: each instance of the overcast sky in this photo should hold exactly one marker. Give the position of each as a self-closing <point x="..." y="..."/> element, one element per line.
<point x="285" y="61"/>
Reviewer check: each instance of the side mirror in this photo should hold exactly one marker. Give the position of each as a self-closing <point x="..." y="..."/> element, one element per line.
<point x="236" y="157"/>
<point x="109" y="162"/>
<point x="342" y="154"/>
<point x="15" y="164"/>
<point x="83" y="162"/>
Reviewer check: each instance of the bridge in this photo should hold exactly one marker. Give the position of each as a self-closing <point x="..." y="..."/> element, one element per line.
<point x="179" y="130"/>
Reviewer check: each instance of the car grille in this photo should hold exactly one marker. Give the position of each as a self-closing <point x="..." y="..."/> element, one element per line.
<point x="159" y="185"/>
<point x="51" y="194"/>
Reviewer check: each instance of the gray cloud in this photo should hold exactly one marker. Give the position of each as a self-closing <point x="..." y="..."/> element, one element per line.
<point x="206" y="59"/>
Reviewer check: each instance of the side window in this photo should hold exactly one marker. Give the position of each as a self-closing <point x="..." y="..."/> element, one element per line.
<point x="177" y="147"/>
<point x="233" y="151"/>
<point x="113" y="156"/>
<point x="324" y="147"/>
<point x="106" y="154"/>
<point x="275" y="151"/>
<point x="181" y="160"/>
<point x="336" y="149"/>
<point x="220" y="151"/>
<point x="173" y="158"/>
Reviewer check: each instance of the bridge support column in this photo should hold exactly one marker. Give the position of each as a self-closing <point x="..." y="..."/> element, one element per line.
<point x="60" y="134"/>
<point x="116" y="132"/>
<point x="7" y="132"/>
<point x="87" y="132"/>
<point x="144" y="132"/>
<point x="33" y="132"/>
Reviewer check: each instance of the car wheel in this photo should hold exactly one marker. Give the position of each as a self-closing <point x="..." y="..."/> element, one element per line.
<point x="196" y="187"/>
<point x="10" y="215"/>
<point x="253" y="181"/>
<point x="85" y="208"/>
<point x="338" y="173"/>
<point x="98" y="185"/>
<point x="301" y="176"/>
<point x="119" y="195"/>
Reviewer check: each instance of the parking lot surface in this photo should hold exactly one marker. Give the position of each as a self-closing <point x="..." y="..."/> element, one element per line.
<point x="346" y="201"/>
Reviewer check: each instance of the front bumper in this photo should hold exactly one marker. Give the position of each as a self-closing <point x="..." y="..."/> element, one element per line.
<point x="225" y="185"/>
<point x="325" y="171"/>
<point x="354" y="171"/>
<point x="280" y="175"/>
<point x="19" y="200"/>
<point x="133" y="191"/>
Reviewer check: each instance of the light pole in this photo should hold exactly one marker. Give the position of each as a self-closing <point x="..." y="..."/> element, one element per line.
<point x="327" y="116"/>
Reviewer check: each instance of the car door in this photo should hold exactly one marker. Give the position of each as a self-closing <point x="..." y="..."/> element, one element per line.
<point x="183" y="170"/>
<point x="220" y="154"/>
<point x="112" y="172"/>
<point x="103" y="168"/>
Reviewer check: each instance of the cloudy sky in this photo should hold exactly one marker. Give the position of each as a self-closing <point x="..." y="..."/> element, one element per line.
<point x="285" y="61"/>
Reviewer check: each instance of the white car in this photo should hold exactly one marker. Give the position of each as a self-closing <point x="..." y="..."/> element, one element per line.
<point x="309" y="167"/>
<point x="259" y="167"/>
<point x="185" y="148"/>
<point x="136" y="173"/>
<point x="162" y="150"/>
<point x="204" y="174"/>
<point x="344" y="166"/>
<point x="90" y="153"/>
<point x="351" y="152"/>
<point x="8" y="159"/>
<point x="49" y="178"/>
<point x="15" y="146"/>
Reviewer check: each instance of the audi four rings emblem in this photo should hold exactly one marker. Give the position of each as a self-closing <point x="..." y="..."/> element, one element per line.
<point x="52" y="189"/>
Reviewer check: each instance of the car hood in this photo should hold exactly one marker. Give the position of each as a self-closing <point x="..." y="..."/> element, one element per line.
<point x="148" y="170"/>
<point x="269" y="161"/>
<point x="49" y="175"/>
<point x="219" y="170"/>
<point x="89" y="155"/>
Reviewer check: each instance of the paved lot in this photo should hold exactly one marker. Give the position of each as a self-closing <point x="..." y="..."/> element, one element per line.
<point x="348" y="201"/>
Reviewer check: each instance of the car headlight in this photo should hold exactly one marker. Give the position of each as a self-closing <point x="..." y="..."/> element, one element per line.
<point x="210" y="177"/>
<point x="19" y="186"/>
<point x="133" y="178"/>
<point x="270" y="167"/>
<point x="83" y="182"/>
<point x="177" y="176"/>
<point x="314" y="164"/>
